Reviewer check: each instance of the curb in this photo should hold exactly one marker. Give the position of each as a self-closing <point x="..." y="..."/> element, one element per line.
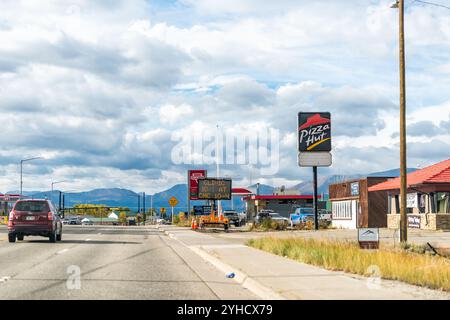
<point x="242" y="278"/>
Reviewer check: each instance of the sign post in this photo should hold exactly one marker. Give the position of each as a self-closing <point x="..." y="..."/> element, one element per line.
<point x="173" y="202"/>
<point x="314" y="146"/>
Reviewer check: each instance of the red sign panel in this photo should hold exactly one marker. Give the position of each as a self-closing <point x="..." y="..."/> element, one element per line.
<point x="193" y="176"/>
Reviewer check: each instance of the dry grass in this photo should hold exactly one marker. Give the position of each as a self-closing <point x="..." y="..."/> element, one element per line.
<point x="394" y="264"/>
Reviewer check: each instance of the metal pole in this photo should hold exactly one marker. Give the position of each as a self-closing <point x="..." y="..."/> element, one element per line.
<point x="403" y="185"/>
<point x="139" y="203"/>
<point x="219" y="203"/>
<point x="21" y="181"/>
<point x="316" y="215"/>
<point x="143" y="206"/>
<point x="172" y="214"/>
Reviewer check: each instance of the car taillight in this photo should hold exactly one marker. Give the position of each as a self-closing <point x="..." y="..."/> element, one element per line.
<point x="50" y="216"/>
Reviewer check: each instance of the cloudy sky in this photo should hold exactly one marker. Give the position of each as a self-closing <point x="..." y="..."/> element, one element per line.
<point x="99" y="88"/>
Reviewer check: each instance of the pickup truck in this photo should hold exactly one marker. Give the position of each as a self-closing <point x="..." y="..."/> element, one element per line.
<point x="301" y="215"/>
<point x="233" y="217"/>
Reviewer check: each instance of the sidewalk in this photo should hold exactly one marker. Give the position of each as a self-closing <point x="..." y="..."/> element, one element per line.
<point x="274" y="277"/>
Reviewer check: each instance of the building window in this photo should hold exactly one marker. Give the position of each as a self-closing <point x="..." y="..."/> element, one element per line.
<point x="342" y="210"/>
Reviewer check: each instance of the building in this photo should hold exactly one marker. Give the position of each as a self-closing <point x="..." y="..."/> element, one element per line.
<point x="7" y="202"/>
<point x="428" y="193"/>
<point x="282" y="204"/>
<point x="352" y="206"/>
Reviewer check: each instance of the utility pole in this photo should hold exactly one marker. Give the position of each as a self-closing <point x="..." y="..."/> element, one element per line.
<point x="143" y="206"/>
<point x="400" y="4"/>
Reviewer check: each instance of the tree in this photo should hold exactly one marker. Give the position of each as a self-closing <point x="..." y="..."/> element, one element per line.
<point x="123" y="217"/>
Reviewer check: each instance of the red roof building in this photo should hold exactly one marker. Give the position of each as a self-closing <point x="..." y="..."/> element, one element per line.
<point x="428" y="197"/>
<point x="434" y="177"/>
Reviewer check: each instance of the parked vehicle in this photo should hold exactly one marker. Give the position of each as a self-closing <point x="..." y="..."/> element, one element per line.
<point x="324" y="215"/>
<point x="243" y="218"/>
<point x="233" y="217"/>
<point x="301" y="215"/>
<point x="270" y="214"/>
<point x="34" y="218"/>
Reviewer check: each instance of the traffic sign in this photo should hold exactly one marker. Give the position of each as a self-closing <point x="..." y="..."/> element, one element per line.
<point x="173" y="201"/>
<point x="163" y="210"/>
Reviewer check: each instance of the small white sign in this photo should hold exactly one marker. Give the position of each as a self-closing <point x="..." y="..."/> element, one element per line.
<point x="412" y="200"/>
<point x="314" y="159"/>
<point x="368" y="235"/>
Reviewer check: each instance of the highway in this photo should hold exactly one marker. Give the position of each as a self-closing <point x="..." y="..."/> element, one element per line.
<point x="112" y="263"/>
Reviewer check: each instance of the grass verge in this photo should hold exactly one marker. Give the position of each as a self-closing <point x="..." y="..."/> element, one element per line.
<point x="394" y="264"/>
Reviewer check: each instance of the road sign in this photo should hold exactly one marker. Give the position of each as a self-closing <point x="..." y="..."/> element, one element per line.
<point x="163" y="210"/>
<point x="214" y="189"/>
<point x="173" y="201"/>
<point x="202" y="210"/>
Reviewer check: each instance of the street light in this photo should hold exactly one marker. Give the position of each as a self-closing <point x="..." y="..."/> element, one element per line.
<point x="400" y="4"/>
<point x="56" y="182"/>
<point x="21" y="171"/>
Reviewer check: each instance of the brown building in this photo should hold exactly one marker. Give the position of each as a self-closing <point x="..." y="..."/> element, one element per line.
<point x="428" y="198"/>
<point x="352" y="205"/>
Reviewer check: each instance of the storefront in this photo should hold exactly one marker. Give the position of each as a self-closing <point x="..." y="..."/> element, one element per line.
<point x="352" y="206"/>
<point x="428" y="198"/>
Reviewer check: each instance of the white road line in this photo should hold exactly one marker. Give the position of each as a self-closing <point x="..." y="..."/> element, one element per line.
<point x="87" y="240"/>
<point x="62" y="251"/>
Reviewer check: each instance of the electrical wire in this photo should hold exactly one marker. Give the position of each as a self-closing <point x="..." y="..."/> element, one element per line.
<point x="431" y="3"/>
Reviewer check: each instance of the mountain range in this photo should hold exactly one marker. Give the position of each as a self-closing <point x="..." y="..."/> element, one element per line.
<point x="116" y="197"/>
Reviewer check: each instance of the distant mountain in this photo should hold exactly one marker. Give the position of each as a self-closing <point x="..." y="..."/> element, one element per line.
<point x="116" y="197"/>
<point x="306" y="187"/>
<point x="391" y="173"/>
<point x="323" y="182"/>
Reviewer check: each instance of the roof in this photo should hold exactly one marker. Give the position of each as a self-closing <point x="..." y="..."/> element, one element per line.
<point x="240" y="191"/>
<point x="282" y="197"/>
<point x="437" y="173"/>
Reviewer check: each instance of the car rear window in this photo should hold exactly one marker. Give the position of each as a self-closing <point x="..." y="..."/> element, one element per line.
<point x="32" y="206"/>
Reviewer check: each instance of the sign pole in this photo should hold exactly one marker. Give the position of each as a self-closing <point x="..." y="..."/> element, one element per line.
<point x="172" y="214"/>
<point x="316" y="215"/>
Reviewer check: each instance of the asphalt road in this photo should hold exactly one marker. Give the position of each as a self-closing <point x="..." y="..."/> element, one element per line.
<point x="112" y="263"/>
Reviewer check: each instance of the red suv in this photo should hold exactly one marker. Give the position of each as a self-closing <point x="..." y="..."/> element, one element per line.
<point x="34" y="218"/>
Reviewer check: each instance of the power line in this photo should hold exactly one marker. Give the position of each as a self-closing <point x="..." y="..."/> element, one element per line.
<point x="432" y="4"/>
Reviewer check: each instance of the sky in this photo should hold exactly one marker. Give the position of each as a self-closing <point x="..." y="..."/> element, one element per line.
<point x="102" y="90"/>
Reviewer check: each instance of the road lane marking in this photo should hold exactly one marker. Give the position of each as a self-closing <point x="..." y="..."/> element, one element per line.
<point x="87" y="240"/>
<point x="62" y="251"/>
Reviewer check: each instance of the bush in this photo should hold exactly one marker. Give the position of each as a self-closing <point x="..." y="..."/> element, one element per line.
<point x="269" y="225"/>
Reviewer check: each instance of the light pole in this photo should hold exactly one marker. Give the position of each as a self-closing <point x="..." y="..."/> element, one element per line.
<point x="56" y="182"/>
<point x="400" y="5"/>
<point x="21" y="171"/>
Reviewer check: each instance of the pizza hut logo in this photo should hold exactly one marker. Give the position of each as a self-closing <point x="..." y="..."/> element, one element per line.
<point x="314" y="132"/>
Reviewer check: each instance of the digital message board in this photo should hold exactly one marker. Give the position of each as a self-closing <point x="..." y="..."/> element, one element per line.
<point x="214" y="189"/>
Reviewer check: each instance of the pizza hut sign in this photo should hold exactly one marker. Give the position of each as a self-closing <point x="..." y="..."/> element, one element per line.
<point x="314" y="131"/>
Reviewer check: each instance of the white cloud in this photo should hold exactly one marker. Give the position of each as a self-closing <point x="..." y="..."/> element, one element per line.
<point x="98" y="87"/>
